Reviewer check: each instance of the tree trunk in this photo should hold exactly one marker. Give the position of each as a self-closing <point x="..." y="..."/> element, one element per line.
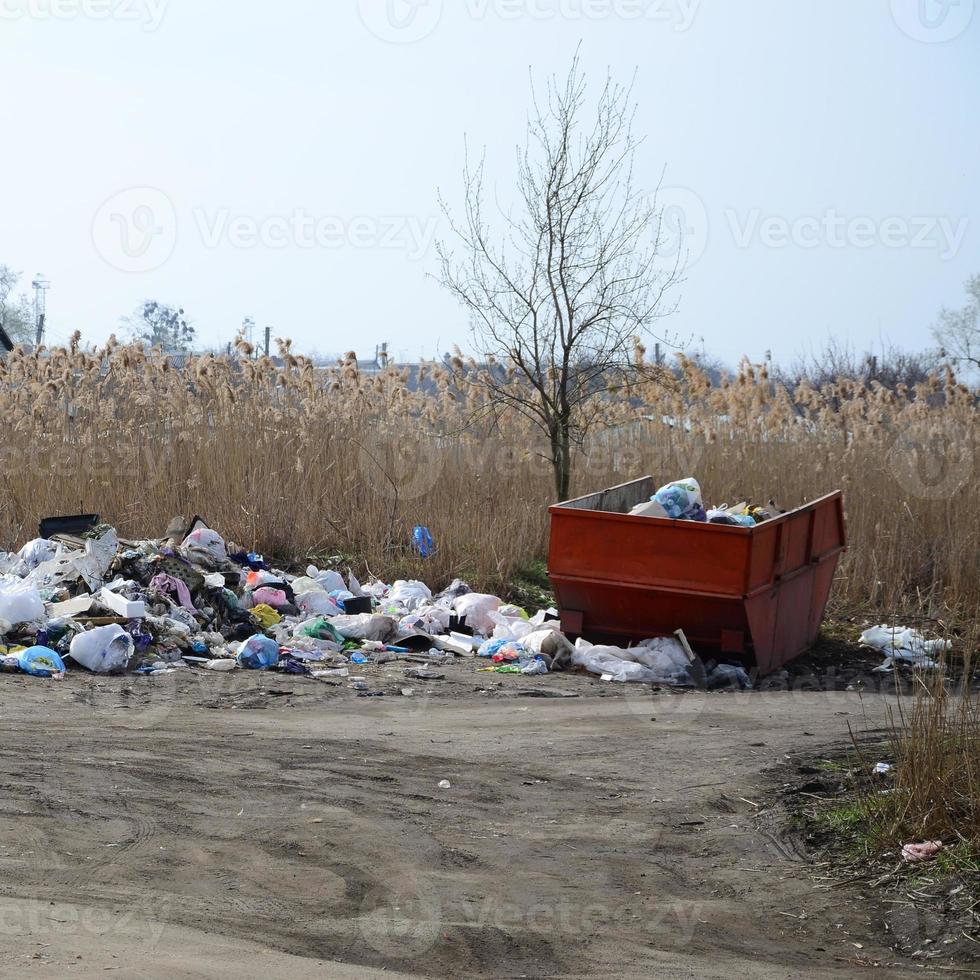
<point x="561" y="459"/>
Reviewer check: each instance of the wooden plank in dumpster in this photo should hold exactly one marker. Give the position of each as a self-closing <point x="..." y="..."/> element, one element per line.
<point x="758" y="592"/>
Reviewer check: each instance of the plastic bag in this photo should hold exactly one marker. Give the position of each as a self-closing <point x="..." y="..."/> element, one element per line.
<point x="665" y="656"/>
<point x="266" y="616"/>
<point x="103" y="650"/>
<point x="329" y="581"/>
<point x="40" y="662"/>
<point x="19" y="602"/>
<point x="267" y="596"/>
<point x="682" y="500"/>
<point x="316" y="602"/>
<point x="411" y="595"/>
<point x="258" y="653"/>
<point x="36" y="552"/>
<point x="477" y="608"/>
<point x="318" y="629"/>
<point x="206" y="542"/>
<point x="424" y="545"/>
<point x="505" y="649"/>
<point x="898" y="643"/>
<point x="551" y="642"/>
<point x="367" y="626"/>
<point x="625" y="666"/>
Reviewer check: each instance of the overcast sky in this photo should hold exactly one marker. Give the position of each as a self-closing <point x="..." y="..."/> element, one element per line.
<point x="282" y="160"/>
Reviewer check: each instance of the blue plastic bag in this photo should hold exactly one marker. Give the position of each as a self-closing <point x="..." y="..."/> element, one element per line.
<point x="40" y="662"/>
<point x="422" y="539"/>
<point x="259" y="653"/>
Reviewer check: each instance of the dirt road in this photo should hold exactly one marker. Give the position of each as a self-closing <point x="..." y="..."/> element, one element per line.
<point x="246" y="825"/>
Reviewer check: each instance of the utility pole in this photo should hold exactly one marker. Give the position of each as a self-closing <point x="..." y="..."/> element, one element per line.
<point x="268" y="337"/>
<point x="41" y="286"/>
<point x="248" y="329"/>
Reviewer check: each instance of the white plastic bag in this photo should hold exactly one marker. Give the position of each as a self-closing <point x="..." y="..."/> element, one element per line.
<point x="103" y="650"/>
<point x="316" y="602"/>
<point x="19" y="602"/>
<point x="626" y="666"/>
<point x="477" y="608"/>
<point x="901" y="643"/>
<point x="329" y="581"/>
<point x="204" y="541"/>
<point x="411" y="595"/>
<point x="550" y="642"/>
<point x="367" y="626"/>
<point x="37" y="551"/>
<point x="667" y="657"/>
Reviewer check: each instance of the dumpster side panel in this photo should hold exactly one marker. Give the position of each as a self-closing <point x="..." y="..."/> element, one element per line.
<point x="608" y="612"/>
<point x="647" y="551"/>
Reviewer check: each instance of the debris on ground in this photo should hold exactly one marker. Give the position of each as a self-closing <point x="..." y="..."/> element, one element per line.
<point x="194" y="601"/>
<point x="921" y="852"/>
<point x="903" y="645"/>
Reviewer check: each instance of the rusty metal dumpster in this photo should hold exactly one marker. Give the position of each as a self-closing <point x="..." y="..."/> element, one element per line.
<point x="759" y="593"/>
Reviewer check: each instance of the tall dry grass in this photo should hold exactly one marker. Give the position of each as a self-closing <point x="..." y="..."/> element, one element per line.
<point x="297" y="461"/>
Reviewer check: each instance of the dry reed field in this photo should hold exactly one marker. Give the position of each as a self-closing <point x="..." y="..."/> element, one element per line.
<point x="297" y="461"/>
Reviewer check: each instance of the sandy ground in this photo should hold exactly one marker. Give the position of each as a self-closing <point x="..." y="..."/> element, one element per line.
<point x="241" y="825"/>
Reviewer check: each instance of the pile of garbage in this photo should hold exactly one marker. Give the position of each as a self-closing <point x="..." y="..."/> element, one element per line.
<point x="683" y="501"/>
<point x="192" y="601"/>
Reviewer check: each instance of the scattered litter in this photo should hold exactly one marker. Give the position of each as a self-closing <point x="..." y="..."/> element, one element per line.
<point x="192" y="600"/>
<point x="657" y="661"/>
<point x="921" y="852"/>
<point x="882" y="769"/>
<point x="445" y="784"/>
<point x="903" y="645"/>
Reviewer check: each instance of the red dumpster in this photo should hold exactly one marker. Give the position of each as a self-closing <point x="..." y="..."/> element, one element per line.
<point x="758" y="592"/>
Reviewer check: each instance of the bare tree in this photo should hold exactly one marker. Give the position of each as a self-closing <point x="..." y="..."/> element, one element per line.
<point x="958" y="331"/>
<point x="838" y="360"/>
<point x="559" y="300"/>
<point x="159" y="325"/>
